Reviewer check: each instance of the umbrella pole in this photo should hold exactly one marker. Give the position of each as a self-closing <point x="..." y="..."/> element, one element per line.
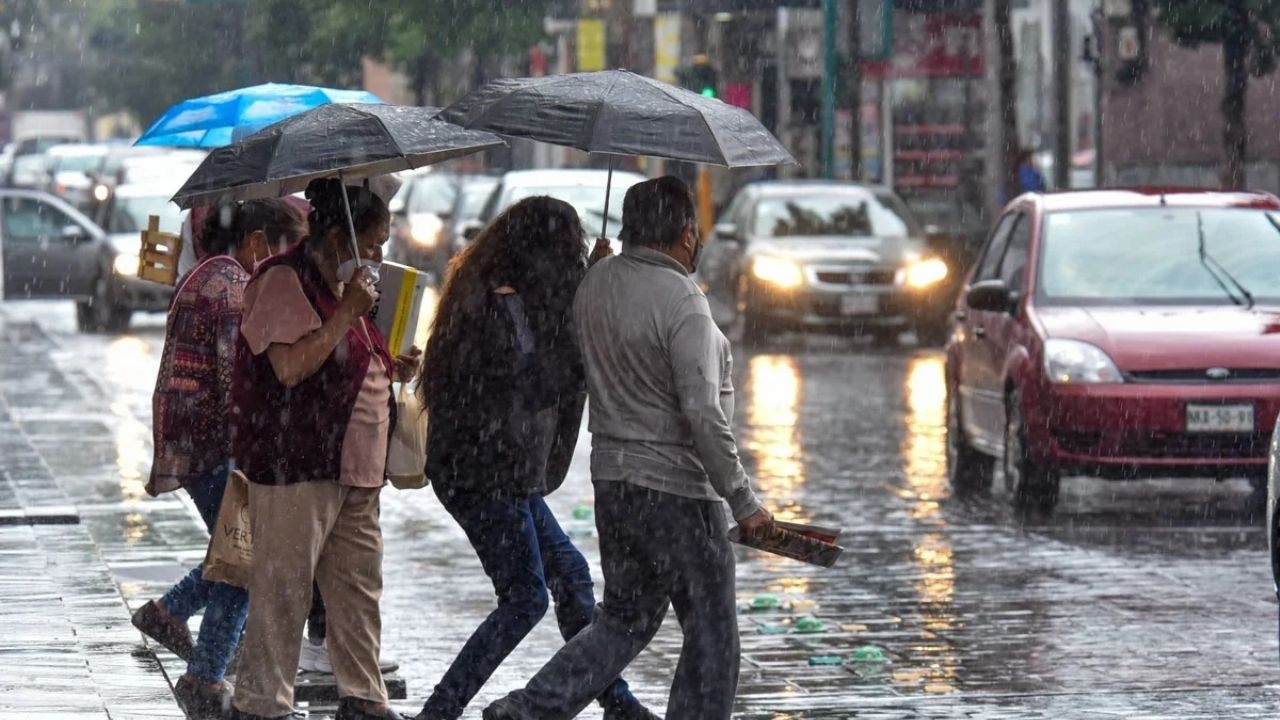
<point x="351" y="224"/>
<point x="608" y="187"/>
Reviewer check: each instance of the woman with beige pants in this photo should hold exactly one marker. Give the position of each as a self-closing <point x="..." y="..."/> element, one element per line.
<point x="311" y="414"/>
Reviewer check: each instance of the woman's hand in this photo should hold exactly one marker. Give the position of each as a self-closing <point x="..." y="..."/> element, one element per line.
<point x="360" y="295"/>
<point x="407" y="365"/>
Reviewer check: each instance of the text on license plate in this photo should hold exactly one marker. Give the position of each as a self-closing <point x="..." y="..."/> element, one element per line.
<point x="1220" y="418"/>
<point x="859" y="305"/>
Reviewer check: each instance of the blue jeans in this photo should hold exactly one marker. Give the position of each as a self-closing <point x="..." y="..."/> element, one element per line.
<point x="225" y="606"/>
<point x="525" y="553"/>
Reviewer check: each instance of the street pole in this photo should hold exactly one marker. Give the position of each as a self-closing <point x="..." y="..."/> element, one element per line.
<point x="828" y="87"/>
<point x="854" y="91"/>
<point x="1062" y="64"/>
<point x="1099" y="72"/>
<point x="784" y="85"/>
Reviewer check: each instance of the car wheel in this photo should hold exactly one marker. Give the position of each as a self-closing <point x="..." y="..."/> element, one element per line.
<point x="100" y="313"/>
<point x="1033" y="484"/>
<point x="968" y="470"/>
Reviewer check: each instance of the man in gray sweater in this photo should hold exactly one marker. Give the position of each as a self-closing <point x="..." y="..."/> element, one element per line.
<point x="663" y="460"/>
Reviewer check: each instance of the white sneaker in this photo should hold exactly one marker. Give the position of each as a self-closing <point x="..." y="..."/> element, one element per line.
<point x="314" y="658"/>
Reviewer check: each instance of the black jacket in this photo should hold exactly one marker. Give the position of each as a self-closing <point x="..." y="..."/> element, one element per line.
<point x="507" y="420"/>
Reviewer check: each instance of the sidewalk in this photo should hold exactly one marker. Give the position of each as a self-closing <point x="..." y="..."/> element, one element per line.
<point x="67" y="648"/>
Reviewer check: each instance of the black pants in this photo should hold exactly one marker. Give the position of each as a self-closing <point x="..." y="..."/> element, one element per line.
<point x="656" y="549"/>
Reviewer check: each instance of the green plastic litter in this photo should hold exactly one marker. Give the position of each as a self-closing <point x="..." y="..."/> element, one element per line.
<point x="868" y="654"/>
<point x="766" y="602"/>
<point x="773" y="629"/>
<point x="810" y="624"/>
<point x="826" y="660"/>
<point x="583" y="512"/>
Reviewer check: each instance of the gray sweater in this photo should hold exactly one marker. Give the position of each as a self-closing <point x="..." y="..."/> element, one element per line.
<point x="659" y="380"/>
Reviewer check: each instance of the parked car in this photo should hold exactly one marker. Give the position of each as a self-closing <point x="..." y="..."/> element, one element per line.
<point x="53" y="251"/>
<point x="420" y="220"/>
<point x="1117" y="334"/>
<point x="583" y="189"/>
<point x="826" y="256"/>
<point x="69" y="169"/>
<point x="29" y="171"/>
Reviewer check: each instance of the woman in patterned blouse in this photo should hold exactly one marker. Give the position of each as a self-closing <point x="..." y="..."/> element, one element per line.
<point x="191" y="429"/>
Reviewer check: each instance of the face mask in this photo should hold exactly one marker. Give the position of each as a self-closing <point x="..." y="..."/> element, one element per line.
<point x="347" y="269"/>
<point x="257" y="262"/>
<point x="697" y="253"/>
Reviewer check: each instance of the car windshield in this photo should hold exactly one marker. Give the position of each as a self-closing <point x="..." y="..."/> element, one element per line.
<point x="474" y="197"/>
<point x="846" y="214"/>
<point x="78" y="163"/>
<point x="588" y="200"/>
<point x="1152" y="256"/>
<point x="433" y="194"/>
<point x="131" y="213"/>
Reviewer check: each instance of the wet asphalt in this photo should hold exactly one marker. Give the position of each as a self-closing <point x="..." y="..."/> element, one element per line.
<point x="1144" y="599"/>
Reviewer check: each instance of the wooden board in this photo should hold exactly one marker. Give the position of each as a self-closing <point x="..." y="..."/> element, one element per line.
<point x="158" y="260"/>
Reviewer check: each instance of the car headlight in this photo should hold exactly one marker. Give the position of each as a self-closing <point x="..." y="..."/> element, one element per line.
<point x="1072" y="361"/>
<point x="101" y="192"/>
<point x="777" y="272"/>
<point x="925" y="272"/>
<point x="426" y="229"/>
<point x="126" y="265"/>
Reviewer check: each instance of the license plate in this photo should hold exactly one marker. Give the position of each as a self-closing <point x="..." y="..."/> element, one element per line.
<point x="1220" y="418"/>
<point x="859" y="305"/>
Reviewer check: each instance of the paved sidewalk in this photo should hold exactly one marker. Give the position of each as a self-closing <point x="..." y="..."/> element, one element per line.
<point x="67" y="648"/>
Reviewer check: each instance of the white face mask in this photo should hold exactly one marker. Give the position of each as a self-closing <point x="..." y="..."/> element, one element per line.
<point x="347" y="269"/>
<point x="257" y="262"/>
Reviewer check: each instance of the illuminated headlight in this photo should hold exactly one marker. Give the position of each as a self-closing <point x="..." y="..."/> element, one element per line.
<point x="101" y="192"/>
<point x="126" y="265"/>
<point x="426" y="229"/>
<point x="1072" y="361"/>
<point x="925" y="272"/>
<point x="777" y="272"/>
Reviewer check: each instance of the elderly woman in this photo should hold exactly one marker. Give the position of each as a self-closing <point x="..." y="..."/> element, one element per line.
<point x="311" y="414"/>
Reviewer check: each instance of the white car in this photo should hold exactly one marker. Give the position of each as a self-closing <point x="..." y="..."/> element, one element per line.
<point x="124" y="216"/>
<point x="583" y="189"/>
<point x="70" y="167"/>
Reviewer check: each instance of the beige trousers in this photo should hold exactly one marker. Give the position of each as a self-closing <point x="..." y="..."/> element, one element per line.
<point x="326" y="532"/>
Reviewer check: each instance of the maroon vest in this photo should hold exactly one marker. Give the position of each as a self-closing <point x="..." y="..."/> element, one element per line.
<point x="280" y="435"/>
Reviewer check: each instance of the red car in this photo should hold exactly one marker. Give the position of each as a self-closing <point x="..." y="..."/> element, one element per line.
<point x="1117" y="334"/>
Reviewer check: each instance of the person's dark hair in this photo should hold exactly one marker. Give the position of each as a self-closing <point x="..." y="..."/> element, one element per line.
<point x="226" y="226"/>
<point x="536" y="247"/>
<point x="325" y="194"/>
<point x="655" y="212"/>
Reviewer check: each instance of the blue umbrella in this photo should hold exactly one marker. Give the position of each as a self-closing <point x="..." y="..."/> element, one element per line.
<point x="223" y="118"/>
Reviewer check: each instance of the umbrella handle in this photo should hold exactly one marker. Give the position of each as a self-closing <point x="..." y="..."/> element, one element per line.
<point x="608" y="187"/>
<point x="351" y="224"/>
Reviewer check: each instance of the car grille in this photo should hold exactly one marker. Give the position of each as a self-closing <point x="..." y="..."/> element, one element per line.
<point x="855" y="276"/>
<point x="1200" y="376"/>
<point x="1164" y="444"/>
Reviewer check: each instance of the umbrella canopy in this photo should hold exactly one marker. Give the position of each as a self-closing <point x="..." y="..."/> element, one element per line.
<point x="223" y="118"/>
<point x="352" y="141"/>
<point x="620" y="113"/>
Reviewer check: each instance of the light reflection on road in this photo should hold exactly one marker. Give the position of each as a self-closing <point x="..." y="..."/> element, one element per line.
<point x="772" y="437"/>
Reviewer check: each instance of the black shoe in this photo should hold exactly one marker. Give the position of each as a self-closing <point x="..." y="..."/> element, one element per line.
<point x="353" y="709"/>
<point x="502" y="709"/>
<point x="159" y="625"/>
<point x="632" y="711"/>
<point x="201" y="702"/>
<point x="237" y="715"/>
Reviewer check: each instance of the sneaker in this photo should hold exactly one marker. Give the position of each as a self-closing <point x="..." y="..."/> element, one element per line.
<point x="353" y="709"/>
<point x="632" y="711"/>
<point x="156" y="623"/>
<point x="502" y="709"/>
<point x="314" y="658"/>
<point x="200" y="701"/>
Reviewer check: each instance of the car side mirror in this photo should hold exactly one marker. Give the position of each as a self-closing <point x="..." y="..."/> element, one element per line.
<point x="991" y="296"/>
<point x="727" y="231"/>
<point x="74" y="232"/>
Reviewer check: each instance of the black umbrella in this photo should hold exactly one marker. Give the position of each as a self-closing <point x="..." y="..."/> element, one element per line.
<point x="349" y="141"/>
<point x="617" y="112"/>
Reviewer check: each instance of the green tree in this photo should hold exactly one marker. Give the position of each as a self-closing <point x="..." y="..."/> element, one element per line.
<point x="1249" y="33"/>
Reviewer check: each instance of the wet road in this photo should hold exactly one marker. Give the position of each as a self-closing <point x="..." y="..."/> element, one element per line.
<point x="1148" y="599"/>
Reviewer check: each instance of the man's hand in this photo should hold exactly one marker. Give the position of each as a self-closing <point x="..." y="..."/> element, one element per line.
<point x="756" y="525"/>
<point x="601" y="251"/>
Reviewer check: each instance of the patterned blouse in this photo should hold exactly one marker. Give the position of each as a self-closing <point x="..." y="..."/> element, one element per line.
<point x="190" y="404"/>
